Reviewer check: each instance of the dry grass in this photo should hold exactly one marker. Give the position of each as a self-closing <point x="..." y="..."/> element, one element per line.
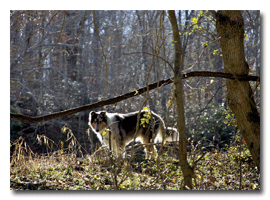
<point x="232" y="169"/>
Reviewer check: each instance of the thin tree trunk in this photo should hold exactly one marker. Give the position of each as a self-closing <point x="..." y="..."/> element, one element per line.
<point x="230" y="29"/>
<point x="187" y="170"/>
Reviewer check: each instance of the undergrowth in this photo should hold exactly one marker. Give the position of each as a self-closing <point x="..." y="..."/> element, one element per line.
<point x="229" y="169"/>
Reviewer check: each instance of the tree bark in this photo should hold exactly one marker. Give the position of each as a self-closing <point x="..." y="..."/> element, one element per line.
<point x="187" y="170"/>
<point x="230" y="30"/>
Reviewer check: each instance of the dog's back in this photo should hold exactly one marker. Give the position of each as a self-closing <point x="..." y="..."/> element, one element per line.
<point x="150" y="125"/>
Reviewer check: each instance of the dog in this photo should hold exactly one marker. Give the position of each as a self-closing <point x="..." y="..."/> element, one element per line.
<point x="122" y="128"/>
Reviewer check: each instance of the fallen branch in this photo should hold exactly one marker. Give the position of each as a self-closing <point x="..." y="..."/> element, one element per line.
<point x="132" y="94"/>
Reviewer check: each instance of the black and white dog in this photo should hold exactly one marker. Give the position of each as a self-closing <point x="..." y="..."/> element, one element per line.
<point x="123" y="129"/>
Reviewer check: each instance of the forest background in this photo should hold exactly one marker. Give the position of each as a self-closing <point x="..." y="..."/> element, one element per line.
<point x="74" y="69"/>
<point x="67" y="59"/>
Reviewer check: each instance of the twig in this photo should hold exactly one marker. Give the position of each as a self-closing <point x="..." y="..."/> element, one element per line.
<point x="155" y="55"/>
<point x="105" y="58"/>
<point x="240" y="168"/>
<point x="146" y="98"/>
<point x="112" y="163"/>
<point x="59" y="37"/>
<point x="77" y="34"/>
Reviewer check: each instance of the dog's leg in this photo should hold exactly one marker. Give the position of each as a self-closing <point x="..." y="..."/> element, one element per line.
<point x="121" y="148"/>
<point x="115" y="146"/>
<point x="118" y="146"/>
<point x="150" y="150"/>
<point x="116" y="139"/>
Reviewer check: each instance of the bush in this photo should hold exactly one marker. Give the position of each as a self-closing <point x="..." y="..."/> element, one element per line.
<point x="212" y="126"/>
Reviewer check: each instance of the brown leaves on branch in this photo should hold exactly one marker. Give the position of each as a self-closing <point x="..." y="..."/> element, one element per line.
<point x="132" y="94"/>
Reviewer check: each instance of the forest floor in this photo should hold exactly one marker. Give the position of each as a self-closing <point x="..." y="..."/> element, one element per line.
<point x="230" y="169"/>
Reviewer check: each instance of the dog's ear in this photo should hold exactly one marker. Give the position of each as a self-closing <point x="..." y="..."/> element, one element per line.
<point x="92" y="113"/>
<point x="103" y="113"/>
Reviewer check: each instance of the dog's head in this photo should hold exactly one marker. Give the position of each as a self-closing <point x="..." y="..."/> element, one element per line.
<point x="98" y="121"/>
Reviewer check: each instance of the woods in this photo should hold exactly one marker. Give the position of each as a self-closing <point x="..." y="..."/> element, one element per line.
<point x="190" y="67"/>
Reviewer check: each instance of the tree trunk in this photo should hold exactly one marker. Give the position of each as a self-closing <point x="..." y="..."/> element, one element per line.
<point x="187" y="170"/>
<point x="230" y="29"/>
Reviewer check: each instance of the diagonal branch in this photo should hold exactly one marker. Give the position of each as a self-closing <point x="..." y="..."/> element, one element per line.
<point x="132" y="94"/>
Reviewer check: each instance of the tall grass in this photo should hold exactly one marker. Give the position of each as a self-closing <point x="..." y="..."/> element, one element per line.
<point x="68" y="168"/>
